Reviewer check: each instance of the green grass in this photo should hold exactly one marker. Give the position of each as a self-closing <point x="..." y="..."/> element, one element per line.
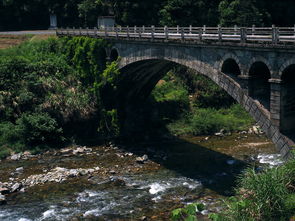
<point x="206" y="121"/>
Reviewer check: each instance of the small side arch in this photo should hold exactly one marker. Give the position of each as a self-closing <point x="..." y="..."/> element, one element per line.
<point x="260" y="59"/>
<point x="114" y="54"/>
<point x="229" y="58"/>
<point x="285" y="65"/>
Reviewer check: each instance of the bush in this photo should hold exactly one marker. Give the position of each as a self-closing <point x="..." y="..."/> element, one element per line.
<point x="37" y="130"/>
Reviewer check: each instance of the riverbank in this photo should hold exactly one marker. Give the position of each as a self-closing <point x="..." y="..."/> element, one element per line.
<point x="139" y="181"/>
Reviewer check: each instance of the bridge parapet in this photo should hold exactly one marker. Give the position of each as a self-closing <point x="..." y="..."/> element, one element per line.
<point x="270" y="35"/>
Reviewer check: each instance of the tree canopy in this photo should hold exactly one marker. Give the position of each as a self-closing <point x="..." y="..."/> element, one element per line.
<point x="34" y="14"/>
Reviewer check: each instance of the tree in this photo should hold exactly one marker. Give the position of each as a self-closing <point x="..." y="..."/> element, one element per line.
<point x="242" y="13"/>
<point x="189" y="12"/>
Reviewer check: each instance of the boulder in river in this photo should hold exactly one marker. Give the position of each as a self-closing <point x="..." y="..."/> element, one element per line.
<point x="142" y="159"/>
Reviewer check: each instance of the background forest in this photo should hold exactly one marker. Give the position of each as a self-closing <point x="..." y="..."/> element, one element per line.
<point x="34" y="14"/>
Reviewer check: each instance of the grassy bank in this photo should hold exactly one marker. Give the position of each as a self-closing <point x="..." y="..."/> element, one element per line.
<point x="202" y="108"/>
<point x="259" y="195"/>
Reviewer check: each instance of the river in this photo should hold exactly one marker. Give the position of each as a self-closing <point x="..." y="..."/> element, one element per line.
<point x="118" y="185"/>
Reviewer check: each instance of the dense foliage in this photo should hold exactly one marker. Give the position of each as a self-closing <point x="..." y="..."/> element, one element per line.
<point x="34" y="14"/>
<point x="48" y="87"/>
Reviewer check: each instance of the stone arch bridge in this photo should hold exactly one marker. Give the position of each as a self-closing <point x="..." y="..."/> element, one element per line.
<point x="258" y="75"/>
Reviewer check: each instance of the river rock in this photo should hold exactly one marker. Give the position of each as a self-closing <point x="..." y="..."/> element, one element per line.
<point x="82" y="150"/>
<point x="19" y="170"/>
<point x="220" y="133"/>
<point x="57" y="174"/>
<point x="142" y="159"/>
<point x="16" y="156"/>
<point x="4" y="190"/>
<point x="2" y="199"/>
<point x="16" y="187"/>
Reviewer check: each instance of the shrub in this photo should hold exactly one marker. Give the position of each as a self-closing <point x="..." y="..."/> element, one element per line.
<point x="39" y="129"/>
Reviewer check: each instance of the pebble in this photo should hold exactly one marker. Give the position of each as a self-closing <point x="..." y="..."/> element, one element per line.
<point x="19" y="170"/>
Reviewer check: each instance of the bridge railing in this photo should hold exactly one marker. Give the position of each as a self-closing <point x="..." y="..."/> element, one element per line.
<point x="274" y="35"/>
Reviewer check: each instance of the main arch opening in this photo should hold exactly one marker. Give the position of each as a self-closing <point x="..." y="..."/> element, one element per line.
<point x="287" y="118"/>
<point x="259" y="87"/>
<point x="231" y="68"/>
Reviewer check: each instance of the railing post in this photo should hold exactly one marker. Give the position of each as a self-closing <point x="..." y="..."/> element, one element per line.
<point x="143" y="29"/>
<point x="253" y="29"/>
<point x="95" y="31"/>
<point x="116" y="30"/>
<point x="74" y="32"/>
<point x="87" y="29"/>
<point x="219" y="33"/>
<point x="68" y="31"/>
<point x="128" y="32"/>
<point x="139" y="33"/>
<point x="235" y="30"/>
<point x="204" y="29"/>
<point x="190" y="29"/>
<point x="274" y="35"/>
<point x="182" y="34"/>
<point x="80" y="31"/>
<point x="105" y="32"/>
<point x="135" y="29"/>
<point x="152" y="32"/>
<point x="243" y="35"/>
<point x="200" y="34"/>
<point x="177" y="29"/>
<point x="166" y="32"/>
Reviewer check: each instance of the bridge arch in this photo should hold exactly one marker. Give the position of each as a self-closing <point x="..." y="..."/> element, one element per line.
<point x="230" y="59"/>
<point x="162" y="58"/>
<point x="285" y="65"/>
<point x="231" y="68"/>
<point x="260" y="59"/>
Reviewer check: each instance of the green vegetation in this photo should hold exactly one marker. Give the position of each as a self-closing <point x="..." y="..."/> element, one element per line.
<point x="130" y="12"/>
<point x="265" y="195"/>
<point x="49" y="87"/>
<point x="208" y="110"/>
<point x="187" y="213"/>
<point x="206" y="121"/>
